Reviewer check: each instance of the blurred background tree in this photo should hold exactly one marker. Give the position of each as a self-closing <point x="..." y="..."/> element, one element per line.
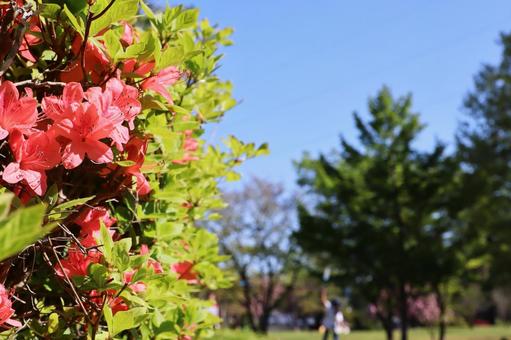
<point x="414" y="236"/>
<point x="255" y="232"/>
<point x="484" y="150"/>
<point x="382" y="213"/>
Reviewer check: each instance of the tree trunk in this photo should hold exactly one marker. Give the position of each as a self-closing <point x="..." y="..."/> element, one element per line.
<point x="247" y="295"/>
<point x="403" y="311"/>
<point x="387" y="325"/>
<point x="441" y="305"/>
<point x="389" y="331"/>
<point x="264" y="322"/>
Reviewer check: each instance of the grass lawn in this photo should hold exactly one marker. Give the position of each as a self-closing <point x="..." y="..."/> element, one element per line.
<point x="479" y="333"/>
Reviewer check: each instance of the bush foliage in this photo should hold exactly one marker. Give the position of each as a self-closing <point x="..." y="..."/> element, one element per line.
<point x="102" y="108"/>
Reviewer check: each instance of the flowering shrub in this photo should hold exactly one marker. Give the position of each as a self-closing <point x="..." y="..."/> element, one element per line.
<point x="425" y="309"/>
<point x="104" y="172"/>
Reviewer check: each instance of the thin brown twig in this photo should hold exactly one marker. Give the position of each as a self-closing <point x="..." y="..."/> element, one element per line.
<point x="88" y="24"/>
<point x="90" y="18"/>
<point x="36" y="83"/>
<point x="18" y="36"/>
<point x="78" y="243"/>
<point x="68" y="280"/>
<point x="100" y="14"/>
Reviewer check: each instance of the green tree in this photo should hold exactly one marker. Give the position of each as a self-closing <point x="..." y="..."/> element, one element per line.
<point x="485" y="152"/>
<point x="381" y="212"/>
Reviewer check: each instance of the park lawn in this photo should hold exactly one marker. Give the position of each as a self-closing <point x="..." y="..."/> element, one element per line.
<point x="478" y="333"/>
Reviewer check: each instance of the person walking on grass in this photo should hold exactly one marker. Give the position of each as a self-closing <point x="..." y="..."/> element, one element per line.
<point x="333" y="318"/>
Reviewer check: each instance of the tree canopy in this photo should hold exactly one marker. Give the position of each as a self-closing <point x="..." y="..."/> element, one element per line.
<point x="381" y="212"/>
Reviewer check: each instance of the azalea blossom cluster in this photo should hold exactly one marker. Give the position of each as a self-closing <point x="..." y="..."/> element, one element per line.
<point x="99" y="136"/>
<point x="79" y="259"/>
<point x="70" y="128"/>
<point x="6" y="310"/>
<point x="73" y="127"/>
<point x="78" y="126"/>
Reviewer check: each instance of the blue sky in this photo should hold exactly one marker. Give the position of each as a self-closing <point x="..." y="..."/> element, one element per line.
<point x="301" y="68"/>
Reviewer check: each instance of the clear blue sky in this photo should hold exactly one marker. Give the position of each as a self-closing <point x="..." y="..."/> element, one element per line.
<point x="301" y="68"/>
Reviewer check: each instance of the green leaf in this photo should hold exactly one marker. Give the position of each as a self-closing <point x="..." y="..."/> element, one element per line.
<point x="124" y="320"/>
<point x="263" y="150"/>
<point x="232" y="176"/>
<point x="109" y="318"/>
<point x="185" y="125"/>
<point x="64" y="209"/>
<point x="20" y="229"/>
<point x="169" y="230"/>
<point x="147" y="10"/>
<point x="99" y="275"/>
<point x="106" y="241"/>
<point x="48" y="55"/>
<point x="53" y="323"/>
<point x="120" y="10"/>
<point x="133" y="298"/>
<point x="120" y="254"/>
<point x="74" y="21"/>
<point x="5" y="204"/>
<point x="76" y="5"/>
<point x="73" y="203"/>
<point x="126" y="163"/>
<point x="112" y="43"/>
<point x="50" y="11"/>
<point x="170" y="56"/>
<point x="186" y="19"/>
<point x="169" y="141"/>
<point x="143" y="49"/>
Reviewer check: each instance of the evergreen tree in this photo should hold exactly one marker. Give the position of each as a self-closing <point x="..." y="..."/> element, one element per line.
<point x="381" y="212"/>
<point x="484" y="144"/>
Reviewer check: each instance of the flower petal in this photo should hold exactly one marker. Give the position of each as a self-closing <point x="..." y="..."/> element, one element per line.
<point x="12" y="173"/>
<point x="73" y="155"/>
<point x="36" y="180"/>
<point x="99" y="152"/>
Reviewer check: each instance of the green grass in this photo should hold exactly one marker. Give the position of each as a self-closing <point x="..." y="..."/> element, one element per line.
<point x="479" y="333"/>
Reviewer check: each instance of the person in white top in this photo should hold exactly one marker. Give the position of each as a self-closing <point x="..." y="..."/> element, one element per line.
<point x="333" y="319"/>
<point x="214" y="308"/>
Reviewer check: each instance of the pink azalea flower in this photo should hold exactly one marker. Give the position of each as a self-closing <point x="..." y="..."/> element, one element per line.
<point x="184" y="270"/>
<point x="107" y="111"/>
<point x="127" y="37"/>
<point x="30" y="40"/>
<point x="15" y="112"/>
<point x="60" y="108"/>
<point x="97" y="64"/>
<point x="90" y="221"/>
<point x="136" y="149"/>
<point x="33" y="155"/>
<point x="144" y="249"/>
<point x="84" y="132"/>
<point x="76" y="262"/>
<point x="117" y="103"/>
<point x="159" y="83"/>
<point x="6" y="310"/>
<point x="155" y="265"/>
<point x="125" y="97"/>
<point x="136" y="287"/>
<point x="190" y="145"/>
<point x="116" y="303"/>
<point x="132" y="66"/>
